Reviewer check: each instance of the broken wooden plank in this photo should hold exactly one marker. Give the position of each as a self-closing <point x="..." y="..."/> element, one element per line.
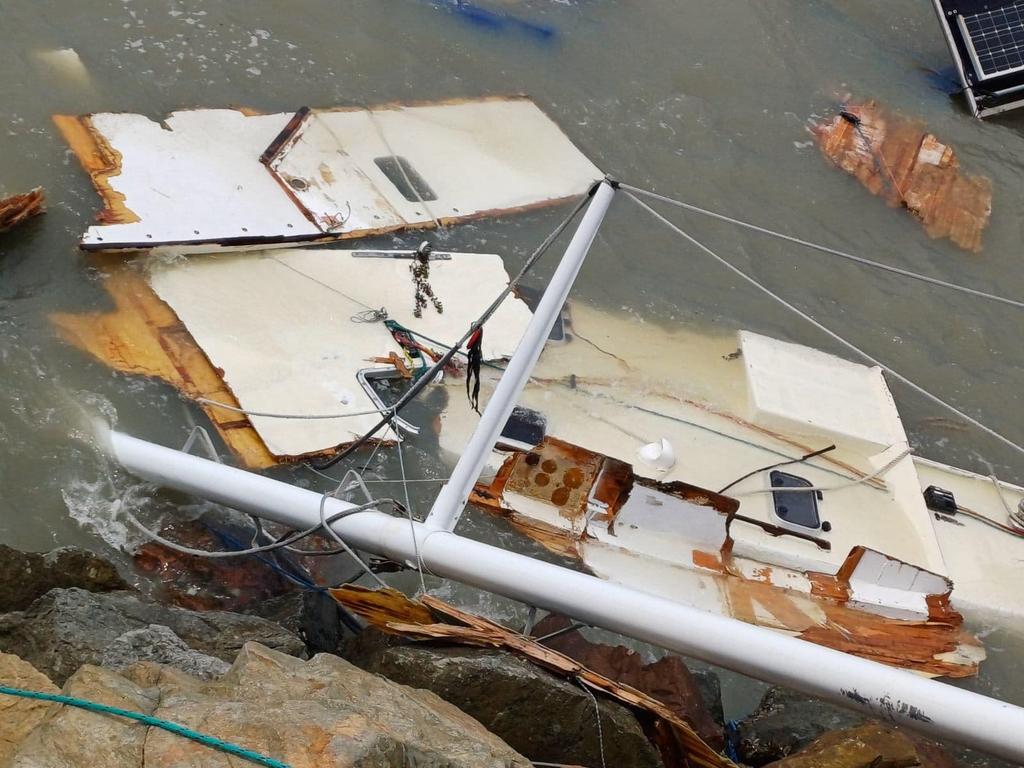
<point x="143" y="336"/>
<point x="16" y="209"/>
<point x="900" y="161"/>
<point x="388" y="610"/>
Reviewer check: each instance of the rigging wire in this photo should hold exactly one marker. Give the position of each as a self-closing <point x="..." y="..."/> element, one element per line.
<point x="824" y="329"/>
<point x="824" y="248"/>
<point x="842" y="486"/>
<point x="268" y="415"/>
<point x="408" y="510"/>
<point x="438" y="366"/>
<point x="801" y="460"/>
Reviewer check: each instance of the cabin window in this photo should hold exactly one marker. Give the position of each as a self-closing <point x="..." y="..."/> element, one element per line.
<point x="407" y="181"/>
<point x="795" y="507"/>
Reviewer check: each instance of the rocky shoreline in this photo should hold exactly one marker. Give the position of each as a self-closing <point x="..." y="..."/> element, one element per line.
<point x="307" y="690"/>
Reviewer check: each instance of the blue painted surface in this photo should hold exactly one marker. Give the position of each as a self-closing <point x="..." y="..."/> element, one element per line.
<point x="495" y="21"/>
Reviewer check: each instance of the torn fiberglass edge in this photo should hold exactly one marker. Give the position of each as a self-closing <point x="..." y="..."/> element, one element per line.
<point x="593" y="508"/>
<point x="210" y="179"/>
<point x="237" y="329"/>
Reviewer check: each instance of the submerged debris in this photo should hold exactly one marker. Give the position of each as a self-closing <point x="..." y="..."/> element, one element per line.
<point x="17" y="208"/>
<point x="898" y="160"/>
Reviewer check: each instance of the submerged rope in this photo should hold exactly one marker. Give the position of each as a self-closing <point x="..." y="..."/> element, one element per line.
<point x="824" y="248"/>
<point x="179" y="730"/>
<point x="824" y="329"/>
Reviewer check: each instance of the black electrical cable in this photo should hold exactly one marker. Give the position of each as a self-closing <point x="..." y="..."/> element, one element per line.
<point x="802" y="459"/>
<point x="388" y="414"/>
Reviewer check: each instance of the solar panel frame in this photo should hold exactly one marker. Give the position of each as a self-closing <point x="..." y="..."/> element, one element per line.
<point x="994" y="39"/>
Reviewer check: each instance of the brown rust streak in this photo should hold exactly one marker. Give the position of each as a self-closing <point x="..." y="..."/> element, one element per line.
<point x="101" y="161"/>
<point x="678" y="742"/>
<point x="711" y="561"/>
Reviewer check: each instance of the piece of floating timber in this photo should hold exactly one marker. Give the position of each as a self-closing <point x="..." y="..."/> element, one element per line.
<point x="16" y="209"/>
<point x="898" y="160"/>
<point x="431" y="618"/>
<point x="211" y="179"/>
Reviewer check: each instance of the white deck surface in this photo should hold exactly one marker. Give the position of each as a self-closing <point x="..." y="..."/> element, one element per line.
<point x="197" y="177"/>
<point x="637" y="393"/>
<point x="279" y="325"/>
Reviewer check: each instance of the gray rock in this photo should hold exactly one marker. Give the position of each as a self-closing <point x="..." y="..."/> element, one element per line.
<point x="542" y="716"/>
<point x="307" y="714"/>
<point x="785" y="722"/>
<point x="67" y="628"/>
<point x="711" y="692"/>
<point x="25" y="576"/>
<point x="158" y="643"/>
<point x="73" y="738"/>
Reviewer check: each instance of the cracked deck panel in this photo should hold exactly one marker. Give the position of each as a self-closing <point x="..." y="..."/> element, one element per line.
<point x="231" y="179"/>
<point x="897" y="159"/>
<point x="571" y="501"/>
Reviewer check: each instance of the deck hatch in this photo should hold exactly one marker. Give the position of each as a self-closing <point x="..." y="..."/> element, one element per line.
<point x="795" y="507"/>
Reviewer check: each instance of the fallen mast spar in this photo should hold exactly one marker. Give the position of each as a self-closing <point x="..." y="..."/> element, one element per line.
<point x="890" y="694"/>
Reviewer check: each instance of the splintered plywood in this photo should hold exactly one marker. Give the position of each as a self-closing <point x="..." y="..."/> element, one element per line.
<point x="143" y="336"/>
<point x="897" y="159"/>
<point x="224" y="178"/>
<point x="16" y="209"/>
<point x="279" y="327"/>
<point x="430" y="618"/>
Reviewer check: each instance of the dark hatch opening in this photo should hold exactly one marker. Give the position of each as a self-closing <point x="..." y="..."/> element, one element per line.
<point x="796" y="507"/>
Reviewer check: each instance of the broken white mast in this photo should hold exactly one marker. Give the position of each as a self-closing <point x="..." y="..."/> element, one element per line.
<point x="890" y="694"/>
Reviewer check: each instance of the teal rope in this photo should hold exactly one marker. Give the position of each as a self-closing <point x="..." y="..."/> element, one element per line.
<point x="156" y="722"/>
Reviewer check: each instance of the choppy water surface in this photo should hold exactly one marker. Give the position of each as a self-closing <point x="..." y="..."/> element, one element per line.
<point x="706" y="101"/>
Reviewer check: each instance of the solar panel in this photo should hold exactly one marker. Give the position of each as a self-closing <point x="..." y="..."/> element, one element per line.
<point x="995" y="39"/>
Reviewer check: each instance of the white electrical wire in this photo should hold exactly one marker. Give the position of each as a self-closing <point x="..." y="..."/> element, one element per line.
<point x="841" y="486"/>
<point x="266" y="415"/>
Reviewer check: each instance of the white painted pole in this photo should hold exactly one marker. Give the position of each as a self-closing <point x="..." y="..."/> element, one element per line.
<point x="452" y="499"/>
<point x="889" y="694"/>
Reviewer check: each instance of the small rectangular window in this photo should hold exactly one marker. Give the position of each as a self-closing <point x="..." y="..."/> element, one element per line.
<point x="796" y="507"/>
<point x="405" y="178"/>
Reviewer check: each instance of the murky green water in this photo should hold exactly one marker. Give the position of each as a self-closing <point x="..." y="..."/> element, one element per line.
<point x="705" y="101"/>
